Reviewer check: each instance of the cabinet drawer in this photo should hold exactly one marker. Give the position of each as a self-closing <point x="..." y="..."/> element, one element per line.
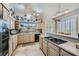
<point x="44" y="41"/>
<point x="64" y="53"/>
<point x="20" y="37"/>
<point x="45" y="48"/>
<point x="41" y="42"/>
<point x="52" y="52"/>
<point x="54" y="47"/>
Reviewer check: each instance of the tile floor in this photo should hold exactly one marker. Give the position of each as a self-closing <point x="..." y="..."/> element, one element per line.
<point x="31" y="49"/>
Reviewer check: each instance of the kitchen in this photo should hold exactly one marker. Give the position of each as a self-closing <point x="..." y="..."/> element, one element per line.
<point x="39" y="29"/>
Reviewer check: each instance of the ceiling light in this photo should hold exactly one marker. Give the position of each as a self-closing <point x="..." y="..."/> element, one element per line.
<point x="59" y="14"/>
<point x="67" y="11"/>
<point x="38" y="14"/>
<point x="34" y="14"/>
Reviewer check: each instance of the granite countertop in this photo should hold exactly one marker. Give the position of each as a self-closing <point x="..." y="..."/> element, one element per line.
<point x="75" y="37"/>
<point x="29" y="33"/>
<point x="68" y="46"/>
<point x="70" y="36"/>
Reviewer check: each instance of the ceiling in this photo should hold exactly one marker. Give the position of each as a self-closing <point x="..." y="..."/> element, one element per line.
<point x="44" y="8"/>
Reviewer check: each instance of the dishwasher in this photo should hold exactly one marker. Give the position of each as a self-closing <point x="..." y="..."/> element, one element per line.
<point x="37" y="37"/>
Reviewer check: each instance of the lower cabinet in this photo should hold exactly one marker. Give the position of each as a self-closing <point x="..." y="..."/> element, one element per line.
<point x="45" y="46"/>
<point x="52" y="50"/>
<point x="20" y="38"/>
<point x="25" y="38"/>
<point x="12" y="44"/>
<point x="41" y="42"/>
<point x="64" y="53"/>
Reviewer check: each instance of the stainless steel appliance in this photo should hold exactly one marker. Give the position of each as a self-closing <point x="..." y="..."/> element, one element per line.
<point x="4" y="37"/>
<point x="56" y="40"/>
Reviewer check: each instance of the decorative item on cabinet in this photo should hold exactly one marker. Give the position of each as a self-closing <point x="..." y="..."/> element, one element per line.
<point x="17" y="24"/>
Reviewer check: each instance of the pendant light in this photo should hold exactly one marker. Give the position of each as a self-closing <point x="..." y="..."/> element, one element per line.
<point x="60" y="13"/>
<point x="59" y="7"/>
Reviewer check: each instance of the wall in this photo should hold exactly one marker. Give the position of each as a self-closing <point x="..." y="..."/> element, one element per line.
<point x="50" y="9"/>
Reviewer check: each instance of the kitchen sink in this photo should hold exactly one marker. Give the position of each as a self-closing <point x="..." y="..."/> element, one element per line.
<point x="56" y="40"/>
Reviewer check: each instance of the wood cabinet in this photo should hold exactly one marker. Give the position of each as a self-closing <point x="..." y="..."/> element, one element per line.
<point x="12" y="44"/>
<point x="31" y="37"/>
<point x="45" y="46"/>
<point x="53" y="50"/>
<point x="64" y="53"/>
<point x="20" y="38"/>
<point x="41" y="42"/>
<point x="39" y="25"/>
<point x="11" y="22"/>
<point x="25" y="38"/>
<point x="17" y="24"/>
<point x="50" y="49"/>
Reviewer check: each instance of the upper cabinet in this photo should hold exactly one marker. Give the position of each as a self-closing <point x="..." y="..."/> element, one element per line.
<point x="3" y="12"/>
<point x="0" y="11"/>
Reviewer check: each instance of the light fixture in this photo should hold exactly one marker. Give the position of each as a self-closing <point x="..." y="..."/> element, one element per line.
<point x="34" y="14"/>
<point x="59" y="7"/>
<point x="60" y="13"/>
<point x="66" y="11"/>
<point x="38" y="14"/>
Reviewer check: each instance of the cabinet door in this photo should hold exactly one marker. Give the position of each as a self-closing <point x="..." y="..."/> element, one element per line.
<point x="64" y="53"/>
<point x="10" y="46"/>
<point x="31" y="38"/>
<point x="52" y="52"/>
<point x="16" y="41"/>
<point x="53" y="46"/>
<point x="45" y="46"/>
<point x="20" y="39"/>
<point x="26" y="38"/>
<point x="41" y="42"/>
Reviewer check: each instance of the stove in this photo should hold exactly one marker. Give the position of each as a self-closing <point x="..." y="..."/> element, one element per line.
<point x="56" y="40"/>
